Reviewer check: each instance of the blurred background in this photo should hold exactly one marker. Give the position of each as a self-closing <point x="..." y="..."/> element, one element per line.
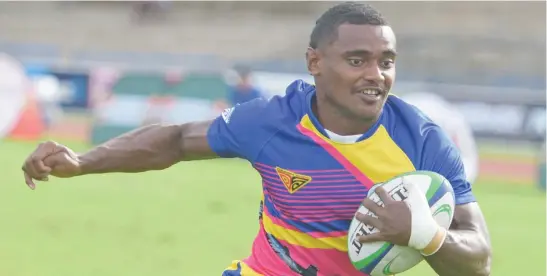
<point x="84" y="72"/>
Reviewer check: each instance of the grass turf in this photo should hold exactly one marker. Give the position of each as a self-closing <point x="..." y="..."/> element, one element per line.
<point x="192" y="219"/>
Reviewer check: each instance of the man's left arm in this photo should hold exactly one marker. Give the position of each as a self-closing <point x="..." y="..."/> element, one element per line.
<point x="466" y="248"/>
<point x="462" y="250"/>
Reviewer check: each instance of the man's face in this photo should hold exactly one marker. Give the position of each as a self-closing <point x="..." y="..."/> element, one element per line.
<point x="355" y="72"/>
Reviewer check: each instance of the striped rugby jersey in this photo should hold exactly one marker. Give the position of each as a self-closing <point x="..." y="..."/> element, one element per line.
<point x="312" y="185"/>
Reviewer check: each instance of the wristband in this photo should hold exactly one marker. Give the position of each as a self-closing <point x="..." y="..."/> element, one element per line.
<point x="436" y="243"/>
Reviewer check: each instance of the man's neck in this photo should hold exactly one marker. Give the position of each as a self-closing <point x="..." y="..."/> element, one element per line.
<point x="332" y="119"/>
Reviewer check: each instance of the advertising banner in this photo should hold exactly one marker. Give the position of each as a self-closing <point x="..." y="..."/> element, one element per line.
<point x="124" y="101"/>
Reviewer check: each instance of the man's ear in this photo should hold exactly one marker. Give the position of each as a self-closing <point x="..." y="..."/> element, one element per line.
<point x="313" y="59"/>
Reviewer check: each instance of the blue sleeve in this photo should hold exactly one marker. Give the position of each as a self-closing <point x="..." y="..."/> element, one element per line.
<point x="240" y="131"/>
<point x="440" y="155"/>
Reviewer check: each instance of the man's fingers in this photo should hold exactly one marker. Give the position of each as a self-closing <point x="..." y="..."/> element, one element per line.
<point x="374" y="237"/>
<point x="415" y="192"/>
<point x="412" y="188"/>
<point x="39" y="166"/>
<point x="381" y="192"/>
<point x="372" y="206"/>
<point x="44" y="150"/>
<point x="369" y="220"/>
<point x="29" y="181"/>
<point x="34" y="167"/>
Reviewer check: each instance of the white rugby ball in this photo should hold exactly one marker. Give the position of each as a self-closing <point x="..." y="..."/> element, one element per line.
<point x="383" y="258"/>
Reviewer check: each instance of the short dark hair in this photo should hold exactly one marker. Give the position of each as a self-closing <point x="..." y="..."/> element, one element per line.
<point x="326" y="26"/>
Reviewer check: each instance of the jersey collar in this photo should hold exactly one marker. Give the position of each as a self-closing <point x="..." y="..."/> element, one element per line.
<point x="309" y="98"/>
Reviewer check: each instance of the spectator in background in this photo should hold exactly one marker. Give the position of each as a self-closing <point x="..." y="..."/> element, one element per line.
<point x="243" y="90"/>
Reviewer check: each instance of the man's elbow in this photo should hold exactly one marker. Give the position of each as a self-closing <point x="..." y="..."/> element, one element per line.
<point x="484" y="262"/>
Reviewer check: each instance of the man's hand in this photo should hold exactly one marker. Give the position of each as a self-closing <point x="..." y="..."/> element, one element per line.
<point x="399" y="224"/>
<point x="393" y="219"/>
<point x="50" y="158"/>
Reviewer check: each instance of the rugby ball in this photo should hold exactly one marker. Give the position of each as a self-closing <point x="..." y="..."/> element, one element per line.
<point x="383" y="258"/>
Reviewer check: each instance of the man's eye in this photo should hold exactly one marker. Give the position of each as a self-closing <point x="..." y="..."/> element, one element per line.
<point x="355" y="62"/>
<point x="387" y="63"/>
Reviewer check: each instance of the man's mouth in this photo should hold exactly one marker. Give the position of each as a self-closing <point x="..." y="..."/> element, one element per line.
<point x="371" y="95"/>
<point x="372" y="91"/>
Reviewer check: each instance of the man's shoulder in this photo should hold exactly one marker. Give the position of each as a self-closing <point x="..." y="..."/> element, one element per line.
<point x="402" y="117"/>
<point x="403" y="110"/>
<point x="414" y="132"/>
<point x="274" y="110"/>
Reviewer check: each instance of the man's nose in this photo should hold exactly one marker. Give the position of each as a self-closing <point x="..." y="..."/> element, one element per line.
<point x="373" y="73"/>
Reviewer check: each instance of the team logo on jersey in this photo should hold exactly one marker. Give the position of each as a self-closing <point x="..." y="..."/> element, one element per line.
<point x="227" y="113"/>
<point x="292" y="181"/>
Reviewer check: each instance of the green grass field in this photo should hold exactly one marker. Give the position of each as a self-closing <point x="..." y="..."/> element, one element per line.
<point x="192" y="219"/>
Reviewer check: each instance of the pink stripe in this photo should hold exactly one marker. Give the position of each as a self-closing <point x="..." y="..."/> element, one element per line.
<point x="333" y="196"/>
<point x="270" y="177"/>
<point x="335" y="189"/>
<point x="329" y="261"/>
<point x="349" y="181"/>
<point x="318" y="219"/>
<point x="312" y="207"/>
<point x="305" y="212"/>
<point x="322" y="219"/>
<point x="288" y="210"/>
<point x="307" y="205"/>
<point x="322" y="193"/>
<point x="274" y="173"/>
<point x="333" y="234"/>
<point x="327" y="190"/>
<point x="302" y="212"/>
<point x="314" y="234"/>
<point x="347" y="175"/>
<point x="278" y="221"/>
<point x="338" y="156"/>
<point x="264" y="260"/>
<point x="265" y="171"/>
<point x="351" y="201"/>
<point x="327" y="212"/>
<point x="303" y="171"/>
<point x="313" y="218"/>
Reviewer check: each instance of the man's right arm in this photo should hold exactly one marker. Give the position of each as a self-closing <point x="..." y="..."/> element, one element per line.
<point x="238" y="132"/>
<point x="153" y="147"/>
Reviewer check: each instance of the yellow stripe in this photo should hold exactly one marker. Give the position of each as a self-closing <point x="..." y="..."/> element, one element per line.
<point x="378" y="157"/>
<point x="302" y="239"/>
<point x="245" y="269"/>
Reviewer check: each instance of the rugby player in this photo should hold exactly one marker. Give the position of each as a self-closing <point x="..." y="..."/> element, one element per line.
<point x="319" y="149"/>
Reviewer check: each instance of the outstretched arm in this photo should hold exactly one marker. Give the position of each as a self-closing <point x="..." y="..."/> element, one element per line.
<point x="153" y="147"/>
<point x="466" y="248"/>
<point x="237" y="132"/>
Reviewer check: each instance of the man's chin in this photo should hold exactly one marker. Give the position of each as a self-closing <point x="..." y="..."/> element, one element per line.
<point x="369" y="115"/>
